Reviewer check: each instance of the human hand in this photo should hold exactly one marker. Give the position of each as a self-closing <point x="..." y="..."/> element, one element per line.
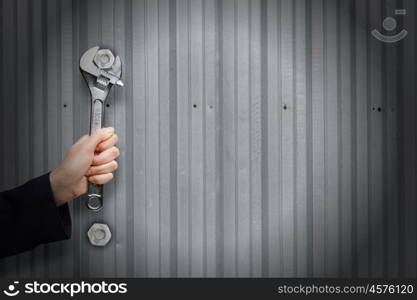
<point x="90" y="159"/>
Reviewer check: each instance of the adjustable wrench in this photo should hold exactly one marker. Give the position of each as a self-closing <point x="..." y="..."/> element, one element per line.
<point x="101" y="70"/>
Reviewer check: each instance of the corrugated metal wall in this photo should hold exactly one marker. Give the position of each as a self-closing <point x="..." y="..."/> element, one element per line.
<point x="258" y="138"/>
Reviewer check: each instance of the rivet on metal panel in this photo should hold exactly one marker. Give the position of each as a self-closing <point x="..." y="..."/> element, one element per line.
<point x="99" y="234"/>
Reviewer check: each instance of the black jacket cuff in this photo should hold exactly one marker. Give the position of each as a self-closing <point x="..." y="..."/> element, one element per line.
<point x="37" y="218"/>
<point x="57" y="222"/>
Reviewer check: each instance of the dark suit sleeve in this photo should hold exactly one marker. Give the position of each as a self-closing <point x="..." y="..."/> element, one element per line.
<point x="29" y="217"/>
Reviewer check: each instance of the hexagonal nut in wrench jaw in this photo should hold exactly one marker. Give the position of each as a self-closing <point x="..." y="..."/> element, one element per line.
<point x="104" y="59"/>
<point x="99" y="234"/>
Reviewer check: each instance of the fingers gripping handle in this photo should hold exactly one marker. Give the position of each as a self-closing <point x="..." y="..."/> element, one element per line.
<point x="95" y="191"/>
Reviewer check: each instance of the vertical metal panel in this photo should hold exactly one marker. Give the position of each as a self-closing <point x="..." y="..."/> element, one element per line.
<point x="164" y="133"/>
<point x="376" y="166"/>
<point x="228" y="102"/>
<point x="408" y="151"/>
<point x="300" y="123"/>
<point x="287" y="138"/>
<point x="390" y="80"/>
<point x="196" y="89"/>
<point x="273" y="136"/>
<point x="152" y="141"/>
<point x="23" y="104"/>
<point x="362" y="148"/>
<point x="211" y="126"/>
<point x="242" y="134"/>
<point x="258" y="137"/>
<point x="138" y="141"/>
<point x="184" y="105"/>
<point x="345" y="114"/>
<point x="255" y="102"/>
<point x="331" y="132"/>
<point x="318" y="139"/>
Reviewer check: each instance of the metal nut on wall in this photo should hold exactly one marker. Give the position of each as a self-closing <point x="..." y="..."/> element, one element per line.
<point x="99" y="234"/>
<point x="104" y="59"/>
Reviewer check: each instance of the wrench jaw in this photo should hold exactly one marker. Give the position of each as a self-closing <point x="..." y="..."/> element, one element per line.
<point x="88" y="66"/>
<point x="99" y="79"/>
<point x="86" y="62"/>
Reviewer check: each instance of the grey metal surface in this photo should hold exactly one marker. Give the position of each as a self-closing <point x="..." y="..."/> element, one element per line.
<point x="258" y="138"/>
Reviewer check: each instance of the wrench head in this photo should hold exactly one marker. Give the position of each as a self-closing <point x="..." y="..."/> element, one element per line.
<point x="90" y="65"/>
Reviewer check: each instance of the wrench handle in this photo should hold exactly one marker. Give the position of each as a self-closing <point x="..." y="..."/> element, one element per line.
<point x="95" y="191"/>
<point x="97" y="115"/>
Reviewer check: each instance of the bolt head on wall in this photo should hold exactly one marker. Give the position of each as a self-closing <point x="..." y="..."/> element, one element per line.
<point x="99" y="234"/>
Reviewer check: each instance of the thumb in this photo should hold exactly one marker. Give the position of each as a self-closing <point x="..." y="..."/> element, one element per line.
<point x="98" y="136"/>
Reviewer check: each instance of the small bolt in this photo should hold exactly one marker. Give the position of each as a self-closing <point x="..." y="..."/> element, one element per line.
<point x="99" y="234"/>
